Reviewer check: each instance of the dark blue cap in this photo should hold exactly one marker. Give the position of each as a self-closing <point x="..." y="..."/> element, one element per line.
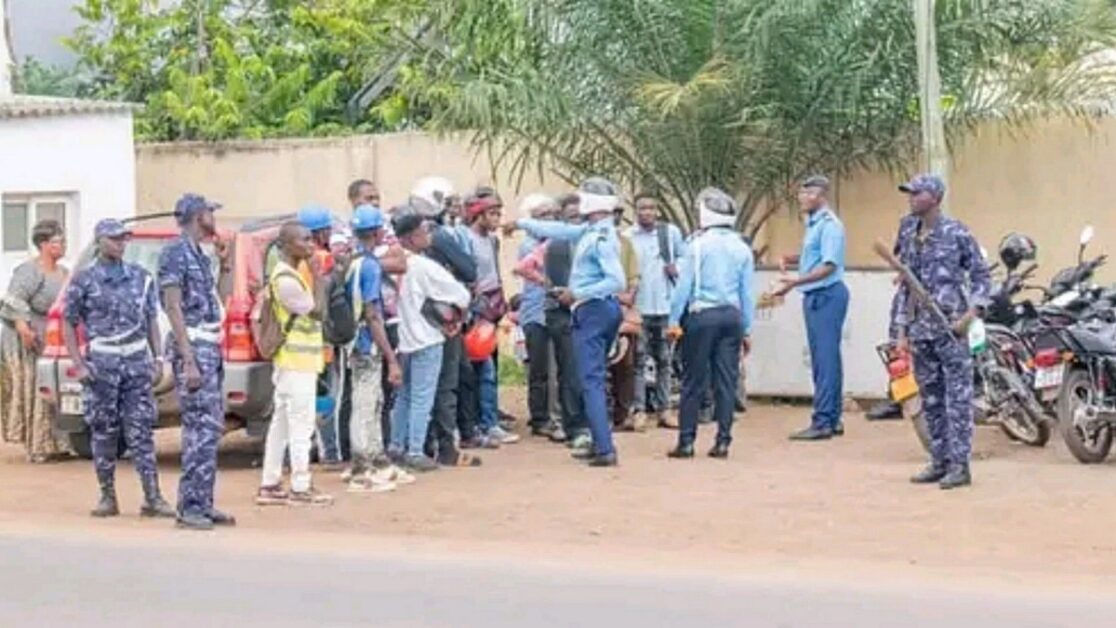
<point x="925" y="182"/>
<point x="110" y="228"/>
<point x="191" y="204"/>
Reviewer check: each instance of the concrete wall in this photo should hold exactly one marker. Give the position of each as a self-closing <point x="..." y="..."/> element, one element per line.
<point x="1048" y="184"/>
<point x="89" y="156"/>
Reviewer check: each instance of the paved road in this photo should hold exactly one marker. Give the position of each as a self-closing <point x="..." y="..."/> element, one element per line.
<point x="64" y="582"/>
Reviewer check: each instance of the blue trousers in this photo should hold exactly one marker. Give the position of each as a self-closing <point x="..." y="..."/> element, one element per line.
<point x="203" y="423"/>
<point x="119" y="399"/>
<point x="595" y="325"/>
<point x="825" y="310"/>
<point x="410" y="417"/>
<point x="711" y="352"/>
<point x="944" y="370"/>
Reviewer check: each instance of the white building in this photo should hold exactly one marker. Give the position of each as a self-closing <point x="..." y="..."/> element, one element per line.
<point x="71" y="160"/>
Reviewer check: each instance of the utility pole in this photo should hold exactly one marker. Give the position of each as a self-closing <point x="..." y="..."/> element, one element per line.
<point x="7" y="59"/>
<point x="935" y="152"/>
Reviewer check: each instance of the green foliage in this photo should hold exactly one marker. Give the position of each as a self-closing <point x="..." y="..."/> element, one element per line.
<point x="749" y="95"/>
<point x="216" y="69"/>
<point x="39" y="79"/>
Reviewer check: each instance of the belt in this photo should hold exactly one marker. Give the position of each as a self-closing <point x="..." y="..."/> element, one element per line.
<point x="582" y="302"/>
<point x="701" y="306"/>
<point x="206" y="332"/>
<point x="106" y="347"/>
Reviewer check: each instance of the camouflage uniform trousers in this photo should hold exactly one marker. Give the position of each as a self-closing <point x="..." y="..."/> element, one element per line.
<point x="119" y="397"/>
<point x="203" y="423"/>
<point x="365" y="429"/>
<point x="944" y="370"/>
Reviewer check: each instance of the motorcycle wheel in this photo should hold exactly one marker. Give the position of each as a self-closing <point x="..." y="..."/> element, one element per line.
<point x="1077" y="391"/>
<point x="1025" y="422"/>
<point x="912" y="410"/>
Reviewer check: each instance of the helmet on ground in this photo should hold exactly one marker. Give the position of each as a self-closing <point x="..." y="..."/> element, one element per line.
<point x="596" y="195"/>
<point x="1016" y="248"/>
<point x="480" y="341"/>
<point x="315" y="218"/>
<point x="366" y="217"/>
<point x="430" y="195"/>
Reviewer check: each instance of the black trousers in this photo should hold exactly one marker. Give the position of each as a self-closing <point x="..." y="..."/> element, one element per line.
<point x="711" y="353"/>
<point x="389" y="391"/>
<point x="439" y="437"/>
<point x="558" y="328"/>
<point x="468" y="398"/>
<point x="538" y="373"/>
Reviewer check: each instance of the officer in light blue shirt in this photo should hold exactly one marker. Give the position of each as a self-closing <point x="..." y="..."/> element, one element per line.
<point x="713" y="304"/>
<point x="825" y="302"/>
<point x="596" y="277"/>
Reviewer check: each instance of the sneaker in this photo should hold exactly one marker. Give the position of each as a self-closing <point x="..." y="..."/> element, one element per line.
<point x="347" y="474"/>
<point x="366" y="484"/>
<point x="397" y="475"/>
<point x="480" y="442"/>
<point x="503" y="436"/>
<point x="558" y="435"/>
<point x="638" y="422"/>
<point x="311" y="497"/>
<point x="580" y="442"/>
<point x="272" y="496"/>
<point x="420" y="463"/>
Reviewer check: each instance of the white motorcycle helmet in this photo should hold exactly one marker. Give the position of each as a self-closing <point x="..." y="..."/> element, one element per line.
<point x="431" y="195"/>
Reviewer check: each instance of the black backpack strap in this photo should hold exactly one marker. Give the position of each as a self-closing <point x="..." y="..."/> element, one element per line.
<point x="665" y="250"/>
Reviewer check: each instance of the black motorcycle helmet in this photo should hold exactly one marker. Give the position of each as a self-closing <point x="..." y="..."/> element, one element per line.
<point x="1016" y="248"/>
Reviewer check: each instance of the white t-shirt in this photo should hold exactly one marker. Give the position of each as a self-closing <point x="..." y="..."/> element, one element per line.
<point x="424" y="279"/>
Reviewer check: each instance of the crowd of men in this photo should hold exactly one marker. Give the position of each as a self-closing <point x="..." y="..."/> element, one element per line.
<point x="413" y="386"/>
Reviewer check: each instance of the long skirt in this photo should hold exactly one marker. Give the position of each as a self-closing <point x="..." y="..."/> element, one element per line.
<point x="23" y="417"/>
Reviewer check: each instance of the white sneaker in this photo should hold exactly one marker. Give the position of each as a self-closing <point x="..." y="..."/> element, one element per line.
<point x="399" y="476"/>
<point x="503" y="437"/>
<point x="347" y="474"/>
<point x="366" y="484"/>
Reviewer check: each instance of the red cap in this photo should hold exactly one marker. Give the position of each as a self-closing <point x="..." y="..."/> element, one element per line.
<point x="478" y="206"/>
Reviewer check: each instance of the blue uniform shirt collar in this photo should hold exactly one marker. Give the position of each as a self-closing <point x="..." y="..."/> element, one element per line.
<point x="814" y="217"/>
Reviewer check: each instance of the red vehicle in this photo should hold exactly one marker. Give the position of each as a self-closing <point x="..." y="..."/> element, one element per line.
<point x="248" y="387"/>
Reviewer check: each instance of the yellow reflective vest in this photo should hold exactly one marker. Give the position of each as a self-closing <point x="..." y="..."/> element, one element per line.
<point x="302" y="350"/>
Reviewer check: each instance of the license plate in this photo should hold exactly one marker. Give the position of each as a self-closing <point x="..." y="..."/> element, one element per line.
<point x="1049" y="377"/>
<point x="904" y="388"/>
<point x="73" y="404"/>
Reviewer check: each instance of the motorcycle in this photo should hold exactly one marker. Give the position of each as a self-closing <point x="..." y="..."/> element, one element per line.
<point x="1076" y="365"/>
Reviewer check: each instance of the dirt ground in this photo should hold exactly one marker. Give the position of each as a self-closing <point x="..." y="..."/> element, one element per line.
<point x="1031" y="513"/>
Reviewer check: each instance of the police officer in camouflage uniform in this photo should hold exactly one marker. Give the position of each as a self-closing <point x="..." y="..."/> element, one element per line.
<point x="193" y="307"/>
<point x="947" y="261"/>
<point x="121" y="365"/>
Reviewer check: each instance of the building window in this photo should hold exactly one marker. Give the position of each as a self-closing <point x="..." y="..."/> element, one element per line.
<point x="22" y="211"/>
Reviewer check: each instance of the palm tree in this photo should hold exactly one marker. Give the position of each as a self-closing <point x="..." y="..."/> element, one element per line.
<point x="749" y="95"/>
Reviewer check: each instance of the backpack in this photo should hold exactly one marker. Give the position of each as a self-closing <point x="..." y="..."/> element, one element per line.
<point x="268" y="336"/>
<point x="339" y="323"/>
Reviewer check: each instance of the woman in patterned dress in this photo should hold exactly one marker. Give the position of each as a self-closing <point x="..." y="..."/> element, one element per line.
<point x="32" y="290"/>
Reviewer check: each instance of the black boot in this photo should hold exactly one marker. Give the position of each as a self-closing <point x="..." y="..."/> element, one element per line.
<point x="931" y="474"/>
<point x="154" y="505"/>
<point x="107" y="506"/>
<point x="957" y="476"/>
<point x="884" y="411"/>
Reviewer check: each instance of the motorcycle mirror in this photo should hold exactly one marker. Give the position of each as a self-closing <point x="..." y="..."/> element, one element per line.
<point x="1087" y="234"/>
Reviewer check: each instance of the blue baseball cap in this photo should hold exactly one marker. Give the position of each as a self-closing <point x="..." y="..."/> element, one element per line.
<point x="191" y="204"/>
<point x="925" y="182"/>
<point x="367" y="217"/>
<point x="110" y="228"/>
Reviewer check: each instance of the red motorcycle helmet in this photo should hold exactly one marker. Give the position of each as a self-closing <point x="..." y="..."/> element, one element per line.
<point x="480" y="341"/>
